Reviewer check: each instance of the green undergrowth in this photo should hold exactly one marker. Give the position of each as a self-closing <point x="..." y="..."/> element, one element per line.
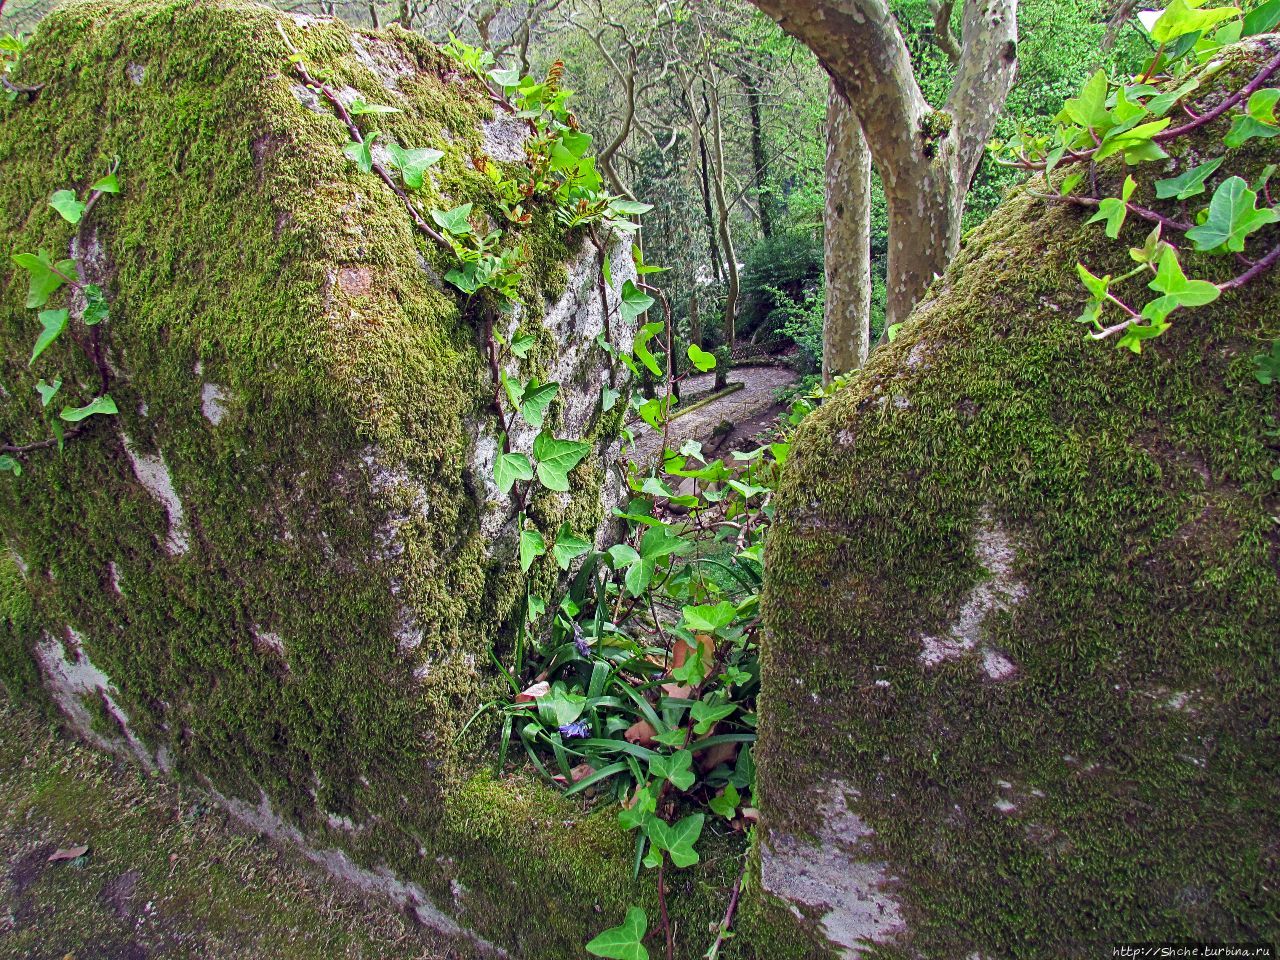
<point x="1135" y="742"/>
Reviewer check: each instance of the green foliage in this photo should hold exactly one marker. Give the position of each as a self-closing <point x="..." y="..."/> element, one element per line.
<point x="45" y="279"/>
<point x="778" y="272"/>
<point x="1127" y="116"/>
<point x="623" y="942"/>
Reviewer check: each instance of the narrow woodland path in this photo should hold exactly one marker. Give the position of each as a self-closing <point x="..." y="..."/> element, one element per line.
<point x="749" y="410"/>
<point x="165" y="876"/>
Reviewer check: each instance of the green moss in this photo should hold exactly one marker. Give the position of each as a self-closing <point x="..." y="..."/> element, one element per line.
<point x="332" y="509"/>
<point x="17" y="668"/>
<point x="1137" y="493"/>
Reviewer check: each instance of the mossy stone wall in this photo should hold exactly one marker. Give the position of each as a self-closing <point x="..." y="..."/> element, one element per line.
<point x="1023" y="602"/>
<point x="279" y="572"/>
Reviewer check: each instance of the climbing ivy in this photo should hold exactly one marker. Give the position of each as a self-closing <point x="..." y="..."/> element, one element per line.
<point x="1134" y="118"/>
<point x="79" y="317"/>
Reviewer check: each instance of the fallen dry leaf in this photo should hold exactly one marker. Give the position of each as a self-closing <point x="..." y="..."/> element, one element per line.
<point x="641" y="732"/>
<point x="581" y="771"/>
<point x="750" y="813"/>
<point x="677" y="690"/>
<point x="712" y="757"/>
<point x="534" y="692"/>
<point x="70" y="853"/>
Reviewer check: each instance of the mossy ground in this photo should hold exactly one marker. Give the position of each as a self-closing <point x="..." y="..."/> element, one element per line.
<point x="166" y="874"/>
<point x="1139" y="732"/>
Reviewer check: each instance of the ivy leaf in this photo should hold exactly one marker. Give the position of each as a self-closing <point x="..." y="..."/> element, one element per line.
<point x="510" y="467"/>
<point x="534" y="399"/>
<point x="560" y="707"/>
<point x="556" y="458"/>
<point x="659" y="541"/>
<point x="10" y="464"/>
<point x="54" y="322"/>
<point x="678" y="768"/>
<point x="1113" y="210"/>
<point x="704" y="361"/>
<point x="1135" y="142"/>
<point x="640" y="346"/>
<point x="413" y="164"/>
<point x="676" y="839"/>
<point x="1189" y="184"/>
<point x="65" y="202"/>
<point x="708" y="618"/>
<point x="609" y="398"/>
<point x="707" y="713"/>
<point x="522" y="344"/>
<point x="359" y="108"/>
<point x="1177" y="289"/>
<point x="623" y="942"/>
<point x="103" y="404"/>
<point x="532" y="546"/>
<point x="44" y="280"/>
<point x="1181" y="18"/>
<point x="726" y="804"/>
<point x="629" y="208"/>
<point x="506" y="78"/>
<point x="455" y="221"/>
<point x="568" y="547"/>
<point x="47" y="391"/>
<point x="638" y="577"/>
<point x="95" y="306"/>
<point x="1233" y="216"/>
<point x="108" y="184"/>
<point x="1258" y="120"/>
<point x="361" y="154"/>
<point x="1090" y="108"/>
<point x="1262" y="20"/>
<point x="634" y="301"/>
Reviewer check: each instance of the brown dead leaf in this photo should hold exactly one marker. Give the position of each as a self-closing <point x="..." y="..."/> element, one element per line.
<point x="581" y="771"/>
<point x="677" y="690"/>
<point x="70" y="853"/>
<point x="750" y="813"/>
<point x="641" y="732"/>
<point x="712" y="757"/>
<point x="534" y="692"/>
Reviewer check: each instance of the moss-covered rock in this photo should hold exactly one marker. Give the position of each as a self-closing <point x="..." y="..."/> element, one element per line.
<point x="280" y="572"/>
<point x="1022" y="597"/>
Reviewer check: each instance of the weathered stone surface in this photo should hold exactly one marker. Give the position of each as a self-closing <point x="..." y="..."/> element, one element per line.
<point x="280" y="571"/>
<point x="1023" y="604"/>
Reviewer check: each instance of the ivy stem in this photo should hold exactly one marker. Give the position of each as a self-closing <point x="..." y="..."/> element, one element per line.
<point x="662" y="906"/>
<point x="727" y="922"/>
<point x="1259" y="268"/>
<point x="345" y="116"/>
<point x="1210" y="115"/>
<point x="1133" y="208"/>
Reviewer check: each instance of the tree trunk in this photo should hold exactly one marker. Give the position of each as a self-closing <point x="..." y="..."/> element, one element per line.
<point x="925" y="213"/>
<point x="722" y="209"/>
<point x="699" y="151"/>
<point x="759" y="160"/>
<point x="695" y="322"/>
<point x="925" y="157"/>
<point x="846" y="330"/>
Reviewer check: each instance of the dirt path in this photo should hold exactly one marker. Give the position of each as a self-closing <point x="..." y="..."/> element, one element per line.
<point x="749" y="410"/>
<point x="165" y="877"/>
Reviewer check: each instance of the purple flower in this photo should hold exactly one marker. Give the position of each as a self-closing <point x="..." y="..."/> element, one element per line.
<point x="580" y="641"/>
<point x="579" y="729"/>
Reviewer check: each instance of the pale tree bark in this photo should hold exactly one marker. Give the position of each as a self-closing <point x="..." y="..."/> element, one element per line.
<point x="733" y="284"/>
<point x="846" y="330"/>
<point x="926" y="158"/>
